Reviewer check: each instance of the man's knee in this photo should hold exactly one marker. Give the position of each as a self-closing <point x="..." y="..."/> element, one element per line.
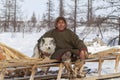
<point x="66" y="56"/>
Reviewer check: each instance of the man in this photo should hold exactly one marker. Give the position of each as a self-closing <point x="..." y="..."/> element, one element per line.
<point x="68" y="45"/>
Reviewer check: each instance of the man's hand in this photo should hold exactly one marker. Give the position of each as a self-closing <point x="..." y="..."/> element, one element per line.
<point x="83" y="54"/>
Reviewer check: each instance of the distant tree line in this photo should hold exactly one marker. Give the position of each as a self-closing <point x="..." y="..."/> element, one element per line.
<point x="77" y="13"/>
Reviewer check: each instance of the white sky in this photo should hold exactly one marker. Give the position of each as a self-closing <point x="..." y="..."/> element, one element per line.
<point x="37" y="6"/>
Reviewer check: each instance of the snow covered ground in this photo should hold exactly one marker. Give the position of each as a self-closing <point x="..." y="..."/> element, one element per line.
<point x="21" y="42"/>
<point x="26" y="42"/>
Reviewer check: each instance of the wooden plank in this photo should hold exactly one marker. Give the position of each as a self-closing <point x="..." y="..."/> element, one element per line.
<point x="1" y="76"/>
<point x="10" y="53"/>
<point x="40" y="77"/>
<point x="60" y="71"/>
<point x="103" y="58"/>
<point x="17" y="53"/>
<point x="100" y="66"/>
<point x="117" y="63"/>
<point x="2" y="73"/>
<point x="33" y="72"/>
<point x="24" y="63"/>
<point x="103" y="53"/>
<point x="2" y="53"/>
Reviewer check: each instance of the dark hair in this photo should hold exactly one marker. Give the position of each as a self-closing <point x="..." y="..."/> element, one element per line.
<point x="60" y="18"/>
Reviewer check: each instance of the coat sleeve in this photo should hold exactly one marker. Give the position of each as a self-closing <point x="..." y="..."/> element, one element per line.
<point x="47" y="34"/>
<point x="78" y="43"/>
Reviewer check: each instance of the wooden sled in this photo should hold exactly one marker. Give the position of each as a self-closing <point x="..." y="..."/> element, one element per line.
<point x="109" y="54"/>
<point x="11" y="60"/>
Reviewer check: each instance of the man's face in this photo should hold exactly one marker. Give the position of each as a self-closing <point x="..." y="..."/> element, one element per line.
<point x="61" y="25"/>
